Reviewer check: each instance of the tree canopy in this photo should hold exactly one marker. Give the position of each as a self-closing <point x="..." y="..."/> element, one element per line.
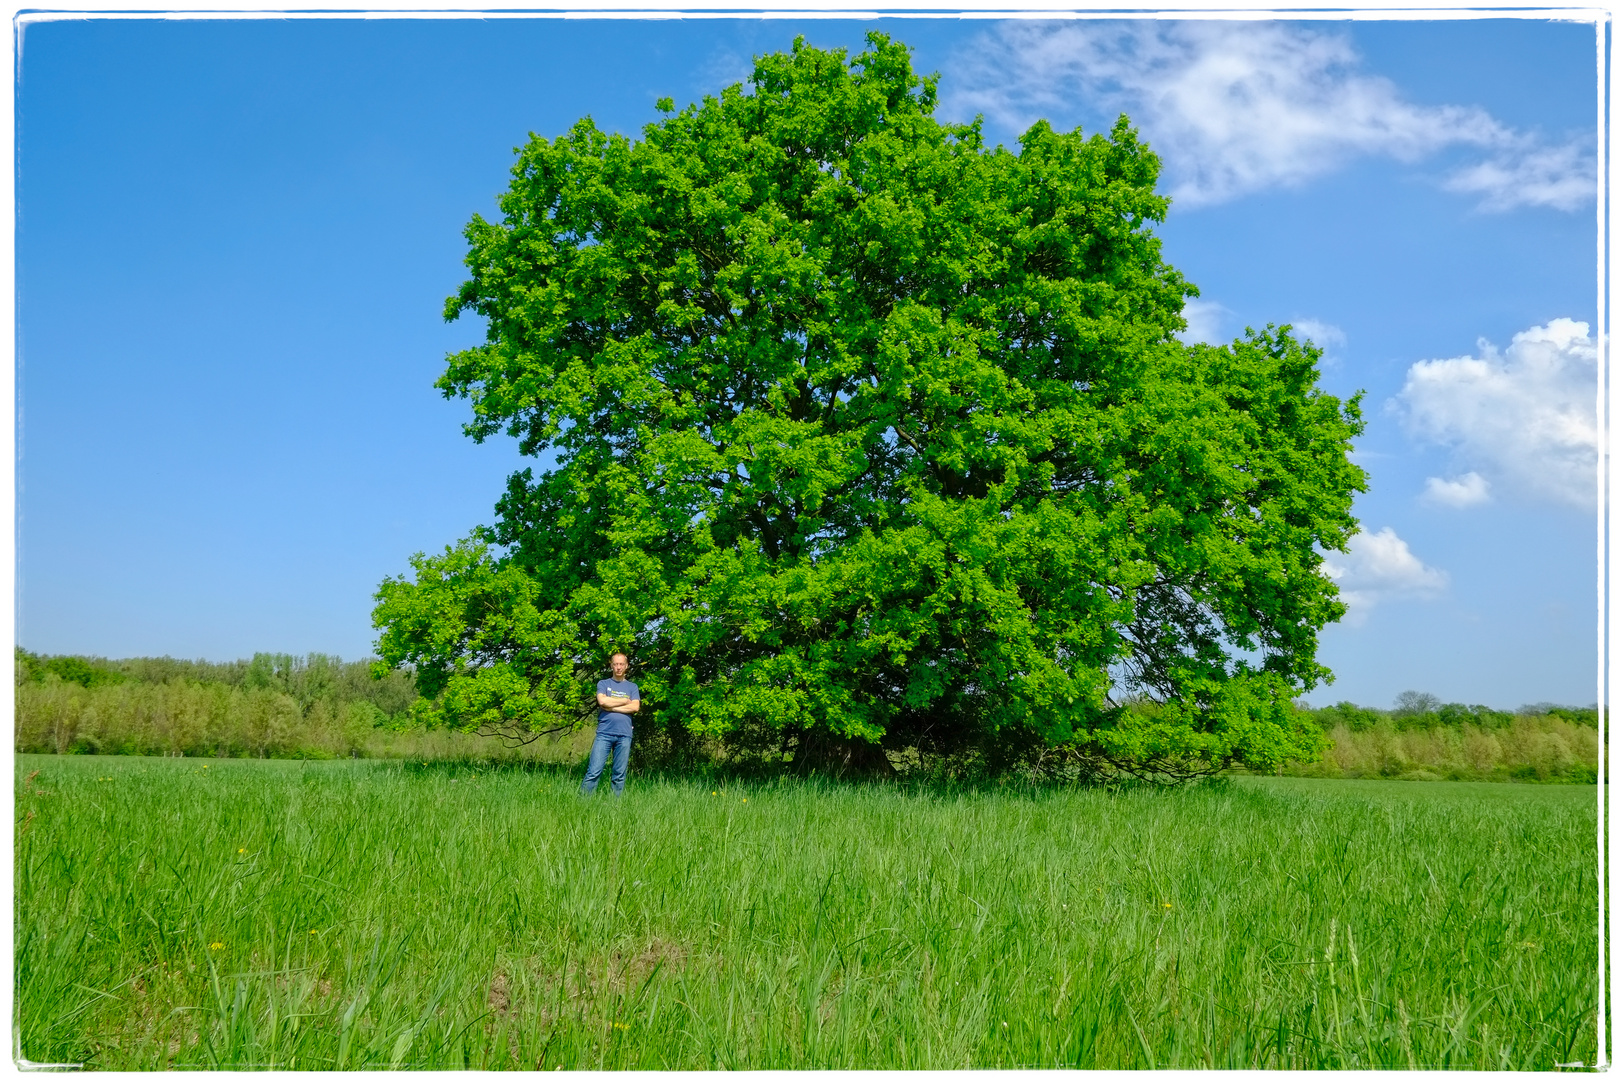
<point x="861" y="432"/>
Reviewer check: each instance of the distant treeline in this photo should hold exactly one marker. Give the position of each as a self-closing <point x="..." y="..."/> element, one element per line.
<point x="1423" y="738"/>
<point x="1421" y="712"/>
<point x="278" y="705"/>
<point x="274" y="705"/>
<point x="305" y="679"/>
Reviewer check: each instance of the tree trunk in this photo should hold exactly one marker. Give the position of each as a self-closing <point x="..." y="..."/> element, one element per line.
<point x="834" y="755"/>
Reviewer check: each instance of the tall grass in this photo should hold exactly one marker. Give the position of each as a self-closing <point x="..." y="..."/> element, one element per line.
<point x="176" y="913"/>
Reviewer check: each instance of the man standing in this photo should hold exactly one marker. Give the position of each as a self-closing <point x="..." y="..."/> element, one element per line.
<point x="617" y="699"/>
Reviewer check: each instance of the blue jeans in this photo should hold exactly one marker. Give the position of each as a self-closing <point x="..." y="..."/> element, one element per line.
<point x="620" y="746"/>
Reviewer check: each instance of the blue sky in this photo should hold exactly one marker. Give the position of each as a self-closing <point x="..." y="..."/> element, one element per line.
<point x="235" y="239"/>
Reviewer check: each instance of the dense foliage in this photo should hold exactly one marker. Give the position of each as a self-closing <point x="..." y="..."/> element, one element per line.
<point x="865" y="433"/>
<point x="79" y="670"/>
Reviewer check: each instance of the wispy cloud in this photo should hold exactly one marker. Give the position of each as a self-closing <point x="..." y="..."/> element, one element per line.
<point x="1325" y="336"/>
<point x="1526" y="417"/>
<point x="1238" y="107"/>
<point x="721" y="68"/>
<point x="1469" y="489"/>
<point x="1204" y="321"/>
<point x="1563" y="177"/>
<point x="1378" y="567"/>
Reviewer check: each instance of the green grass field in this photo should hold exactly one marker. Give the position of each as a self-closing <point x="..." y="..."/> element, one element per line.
<point x="174" y="912"/>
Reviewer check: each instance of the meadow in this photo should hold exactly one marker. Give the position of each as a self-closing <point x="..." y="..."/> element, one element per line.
<point x="345" y="914"/>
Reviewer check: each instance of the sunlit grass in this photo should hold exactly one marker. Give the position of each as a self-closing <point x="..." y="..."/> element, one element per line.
<point x="350" y="914"/>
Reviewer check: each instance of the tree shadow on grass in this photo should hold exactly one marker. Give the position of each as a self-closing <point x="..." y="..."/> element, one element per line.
<point x="671" y="754"/>
<point x="782" y="776"/>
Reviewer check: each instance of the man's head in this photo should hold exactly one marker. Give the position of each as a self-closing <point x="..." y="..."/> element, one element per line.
<point x="619" y="664"/>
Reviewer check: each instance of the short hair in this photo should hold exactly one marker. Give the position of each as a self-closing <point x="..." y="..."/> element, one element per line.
<point x="618" y="652"/>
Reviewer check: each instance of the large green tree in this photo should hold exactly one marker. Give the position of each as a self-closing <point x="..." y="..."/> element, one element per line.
<point x="864" y="433"/>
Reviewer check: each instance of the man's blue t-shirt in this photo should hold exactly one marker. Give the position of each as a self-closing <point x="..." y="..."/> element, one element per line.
<point x="615" y="723"/>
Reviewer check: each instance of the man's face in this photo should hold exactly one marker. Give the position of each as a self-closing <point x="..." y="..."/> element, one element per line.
<point x="619" y="665"/>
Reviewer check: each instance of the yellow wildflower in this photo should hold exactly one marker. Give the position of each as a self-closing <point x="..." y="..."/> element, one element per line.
<point x="217" y="945"/>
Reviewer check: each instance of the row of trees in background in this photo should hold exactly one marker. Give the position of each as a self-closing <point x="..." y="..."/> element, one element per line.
<point x="1418" y="711"/>
<point x="1424" y="738"/>
<point x="277" y="705"/>
<point x="1537" y="746"/>
<point x="274" y="705"/>
<point x="304" y="679"/>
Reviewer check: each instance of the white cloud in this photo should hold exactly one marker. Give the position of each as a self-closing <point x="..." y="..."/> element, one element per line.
<point x="1236" y="107"/>
<point x="1325" y="336"/>
<point x="1562" y="177"/>
<point x="720" y="69"/>
<point x="1321" y="333"/>
<point x="1469" y="489"/>
<point x="1204" y="321"/>
<point x="1526" y="418"/>
<point x="1379" y="566"/>
<point x="1207" y="322"/>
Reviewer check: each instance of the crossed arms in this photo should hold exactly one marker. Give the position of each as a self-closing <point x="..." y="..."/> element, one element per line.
<point x="609" y="703"/>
